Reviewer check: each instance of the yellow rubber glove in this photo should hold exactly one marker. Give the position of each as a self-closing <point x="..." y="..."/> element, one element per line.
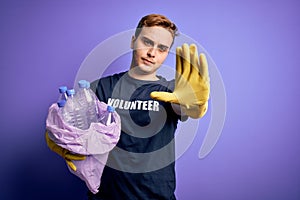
<point x="66" y="154"/>
<point x="192" y="85"/>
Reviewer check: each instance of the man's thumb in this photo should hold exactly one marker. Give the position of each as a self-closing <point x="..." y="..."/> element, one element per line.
<point x="164" y="96"/>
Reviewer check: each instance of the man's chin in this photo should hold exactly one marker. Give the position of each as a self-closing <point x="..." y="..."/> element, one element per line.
<point x="145" y="68"/>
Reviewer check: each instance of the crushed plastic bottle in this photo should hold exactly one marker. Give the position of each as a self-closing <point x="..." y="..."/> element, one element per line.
<point x="62" y="93"/>
<point x="87" y="100"/>
<point x="74" y="113"/>
<point x="107" y="117"/>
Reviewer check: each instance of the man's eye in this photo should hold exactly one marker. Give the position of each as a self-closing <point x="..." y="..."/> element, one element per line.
<point x="147" y="42"/>
<point x="163" y="49"/>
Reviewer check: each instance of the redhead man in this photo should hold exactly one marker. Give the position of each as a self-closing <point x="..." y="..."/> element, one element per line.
<point x="142" y="165"/>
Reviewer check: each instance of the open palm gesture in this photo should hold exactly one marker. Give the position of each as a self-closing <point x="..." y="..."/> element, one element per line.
<point x="192" y="85"/>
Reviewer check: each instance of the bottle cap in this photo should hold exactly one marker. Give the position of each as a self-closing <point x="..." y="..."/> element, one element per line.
<point x="62" y="89"/>
<point x="110" y="109"/>
<point x="61" y="103"/>
<point x="82" y="83"/>
<point x="70" y="92"/>
<point x="88" y="84"/>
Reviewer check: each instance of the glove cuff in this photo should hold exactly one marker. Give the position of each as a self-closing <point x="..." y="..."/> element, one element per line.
<point x="196" y="111"/>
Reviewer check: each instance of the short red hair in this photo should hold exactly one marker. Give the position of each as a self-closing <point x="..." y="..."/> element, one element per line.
<point x="156" y="20"/>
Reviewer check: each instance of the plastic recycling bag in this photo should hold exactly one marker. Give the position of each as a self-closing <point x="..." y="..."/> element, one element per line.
<point x="95" y="142"/>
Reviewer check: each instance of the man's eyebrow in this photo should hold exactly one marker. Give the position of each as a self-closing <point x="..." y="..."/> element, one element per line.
<point x="147" y="39"/>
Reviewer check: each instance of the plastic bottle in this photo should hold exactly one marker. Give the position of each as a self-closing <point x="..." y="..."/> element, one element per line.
<point x="107" y="117"/>
<point x="62" y="93"/>
<point x="87" y="100"/>
<point x="94" y="97"/>
<point x="74" y="114"/>
<point x="61" y="104"/>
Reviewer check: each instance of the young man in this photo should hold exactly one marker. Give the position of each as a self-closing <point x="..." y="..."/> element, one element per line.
<point x="142" y="165"/>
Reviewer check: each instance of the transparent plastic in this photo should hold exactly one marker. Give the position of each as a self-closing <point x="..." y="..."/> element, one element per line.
<point x="62" y="93"/>
<point x="107" y="117"/>
<point x="87" y="100"/>
<point x="74" y="113"/>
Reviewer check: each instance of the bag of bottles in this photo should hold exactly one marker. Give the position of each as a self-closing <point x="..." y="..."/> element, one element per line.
<point x="95" y="141"/>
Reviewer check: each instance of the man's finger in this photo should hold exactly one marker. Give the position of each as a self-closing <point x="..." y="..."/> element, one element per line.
<point x="178" y="62"/>
<point x="186" y="67"/>
<point x="71" y="165"/>
<point x="203" y="67"/>
<point x="70" y="156"/>
<point x="164" y="96"/>
<point x="194" y="59"/>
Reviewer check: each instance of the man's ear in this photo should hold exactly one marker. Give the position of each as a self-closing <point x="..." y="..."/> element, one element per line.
<point x="133" y="39"/>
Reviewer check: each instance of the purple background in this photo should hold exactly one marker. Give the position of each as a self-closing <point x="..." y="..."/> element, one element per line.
<point x="255" y="45"/>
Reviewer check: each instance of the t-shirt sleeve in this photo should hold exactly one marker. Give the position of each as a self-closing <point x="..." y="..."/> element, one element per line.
<point x="94" y="85"/>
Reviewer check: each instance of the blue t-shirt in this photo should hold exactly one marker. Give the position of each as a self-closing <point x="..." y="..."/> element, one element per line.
<point x="142" y="165"/>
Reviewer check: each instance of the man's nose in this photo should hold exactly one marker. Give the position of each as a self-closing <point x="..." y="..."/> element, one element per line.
<point x="151" y="52"/>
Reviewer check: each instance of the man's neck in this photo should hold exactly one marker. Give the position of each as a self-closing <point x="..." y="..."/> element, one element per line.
<point x="140" y="76"/>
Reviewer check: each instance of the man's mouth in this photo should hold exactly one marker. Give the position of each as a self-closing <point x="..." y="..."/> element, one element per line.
<point x="147" y="61"/>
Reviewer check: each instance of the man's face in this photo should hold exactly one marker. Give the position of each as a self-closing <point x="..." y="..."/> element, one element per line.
<point x="151" y="48"/>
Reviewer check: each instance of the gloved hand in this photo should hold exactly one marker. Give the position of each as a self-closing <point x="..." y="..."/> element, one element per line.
<point x="67" y="155"/>
<point x="192" y="85"/>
